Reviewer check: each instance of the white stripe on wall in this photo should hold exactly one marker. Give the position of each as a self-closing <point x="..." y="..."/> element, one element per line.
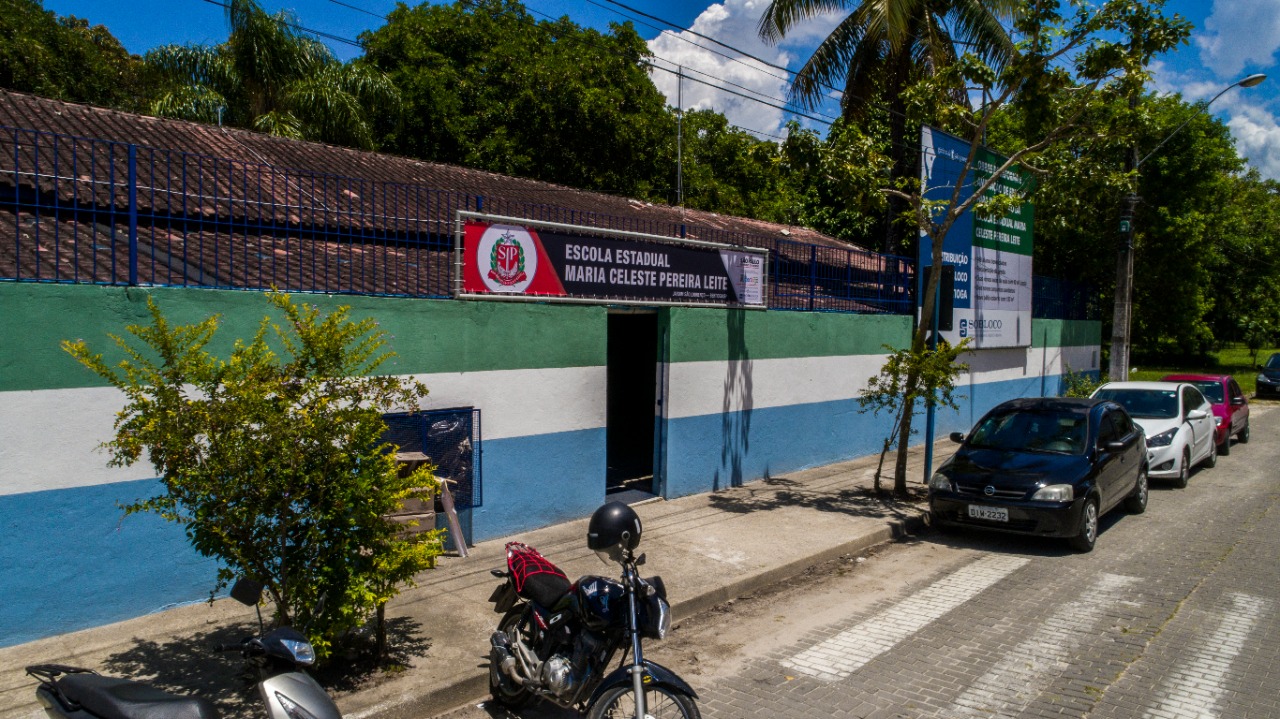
<point x="49" y="439"/>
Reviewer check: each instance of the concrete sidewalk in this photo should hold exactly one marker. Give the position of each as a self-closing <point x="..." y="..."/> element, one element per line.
<point x="708" y="548"/>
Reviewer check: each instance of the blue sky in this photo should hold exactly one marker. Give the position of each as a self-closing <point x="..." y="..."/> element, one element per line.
<point x="1232" y="39"/>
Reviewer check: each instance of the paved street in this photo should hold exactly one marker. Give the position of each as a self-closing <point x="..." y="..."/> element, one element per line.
<point x="1173" y="615"/>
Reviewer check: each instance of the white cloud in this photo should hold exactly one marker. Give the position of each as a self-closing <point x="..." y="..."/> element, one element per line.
<point x="1246" y="111"/>
<point x="734" y="22"/>
<point x="1240" y="33"/>
<point x="1257" y="134"/>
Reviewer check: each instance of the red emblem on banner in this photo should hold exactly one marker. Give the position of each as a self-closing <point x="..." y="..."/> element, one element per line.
<point x="506" y="261"/>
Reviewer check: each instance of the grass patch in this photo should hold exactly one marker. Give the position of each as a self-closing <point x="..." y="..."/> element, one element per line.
<point x="1234" y="361"/>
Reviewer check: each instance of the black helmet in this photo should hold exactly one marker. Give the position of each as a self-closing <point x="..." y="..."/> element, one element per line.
<point x="615" y="527"/>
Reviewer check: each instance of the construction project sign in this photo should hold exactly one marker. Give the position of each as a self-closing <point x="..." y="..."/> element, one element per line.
<point x="991" y="255"/>
<point x="505" y="258"/>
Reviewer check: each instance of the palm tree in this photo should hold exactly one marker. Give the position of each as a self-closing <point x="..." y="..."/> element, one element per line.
<point x="272" y="77"/>
<point x="880" y="48"/>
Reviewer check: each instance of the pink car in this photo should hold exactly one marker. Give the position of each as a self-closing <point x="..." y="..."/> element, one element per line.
<point x="1230" y="408"/>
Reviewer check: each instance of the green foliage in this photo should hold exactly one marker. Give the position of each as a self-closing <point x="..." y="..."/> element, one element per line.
<point x="272" y="459"/>
<point x="1079" y="384"/>
<point x="66" y="58"/>
<point x="927" y="376"/>
<point x="271" y="77"/>
<point x="486" y="85"/>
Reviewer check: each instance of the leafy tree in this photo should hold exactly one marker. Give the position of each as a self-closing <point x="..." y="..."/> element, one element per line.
<point x="880" y="49"/>
<point x="272" y="77"/>
<point x="486" y="85"/>
<point x="272" y="459"/>
<point x="934" y="371"/>
<point x="1061" y="99"/>
<point x="67" y="59"/>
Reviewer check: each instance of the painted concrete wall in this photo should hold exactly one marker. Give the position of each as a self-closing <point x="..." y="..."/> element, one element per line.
<point x="747" y="395"/>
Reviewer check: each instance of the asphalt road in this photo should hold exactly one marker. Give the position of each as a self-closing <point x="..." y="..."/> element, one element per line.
<point x="1176" y="613"/>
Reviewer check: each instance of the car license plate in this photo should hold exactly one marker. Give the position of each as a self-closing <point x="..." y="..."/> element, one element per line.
<point x="991" y="514"/>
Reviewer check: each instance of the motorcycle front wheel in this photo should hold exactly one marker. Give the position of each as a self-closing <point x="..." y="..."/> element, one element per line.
<point x="659" y="703"/>
<point x="502" y="688"/>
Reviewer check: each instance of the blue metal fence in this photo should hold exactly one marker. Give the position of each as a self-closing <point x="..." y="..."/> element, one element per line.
<point x="84" y="210"/>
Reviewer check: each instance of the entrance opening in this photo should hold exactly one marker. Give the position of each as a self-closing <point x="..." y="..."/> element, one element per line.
<point x="629" y="414"/>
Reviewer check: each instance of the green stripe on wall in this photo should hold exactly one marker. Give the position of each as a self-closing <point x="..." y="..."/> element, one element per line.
<point x="1066" y="333"/>
<point x="427" y="335"/>
<point x="699" y="335"/>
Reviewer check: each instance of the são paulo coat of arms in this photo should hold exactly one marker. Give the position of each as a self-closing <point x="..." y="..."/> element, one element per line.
<point x="508" y="258"/>
<point x="506" y="261"/>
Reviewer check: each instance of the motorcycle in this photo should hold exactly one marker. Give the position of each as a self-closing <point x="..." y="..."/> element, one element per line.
<point x="556" y="639"/>
<point x="287" y="691"/>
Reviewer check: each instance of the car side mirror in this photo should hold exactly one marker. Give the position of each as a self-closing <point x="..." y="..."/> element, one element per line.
<point x="1197" y="414"/>
<point x="956" y="437"/>
<point x="1237" y="401"/>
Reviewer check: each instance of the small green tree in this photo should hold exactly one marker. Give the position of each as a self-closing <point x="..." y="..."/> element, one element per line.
<point x="273" y="459"/>
<point x="934" y="371"/>
<point x="1079" y="384"/>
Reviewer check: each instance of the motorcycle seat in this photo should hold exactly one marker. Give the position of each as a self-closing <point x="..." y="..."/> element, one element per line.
<point x="545" y="590"/>
<point x="113" y="698"/>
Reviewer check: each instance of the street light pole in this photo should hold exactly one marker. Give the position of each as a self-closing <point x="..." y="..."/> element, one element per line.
<point x="1122" y="316"/>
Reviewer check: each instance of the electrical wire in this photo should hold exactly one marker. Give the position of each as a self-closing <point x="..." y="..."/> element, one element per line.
<point x="286" y="23"/>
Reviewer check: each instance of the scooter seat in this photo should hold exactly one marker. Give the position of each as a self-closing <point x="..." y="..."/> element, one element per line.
<point x="113" y="698"/>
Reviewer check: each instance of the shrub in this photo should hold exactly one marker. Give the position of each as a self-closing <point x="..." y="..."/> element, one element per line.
<point x="272" y="460"/>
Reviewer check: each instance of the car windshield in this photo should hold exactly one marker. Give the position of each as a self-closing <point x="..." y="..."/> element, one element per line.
<point x="1062" y="432"/>
<point x="1211" y="389"/>
<point x="1144" y="403"/>
<point x="1274" y="361"/>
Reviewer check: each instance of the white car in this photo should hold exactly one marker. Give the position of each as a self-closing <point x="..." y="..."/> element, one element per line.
<point x="1177" y="420"/>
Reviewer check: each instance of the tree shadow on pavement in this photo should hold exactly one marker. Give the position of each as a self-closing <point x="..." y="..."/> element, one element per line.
<point x="189" y="666"/>
<point x="779" y="492"/>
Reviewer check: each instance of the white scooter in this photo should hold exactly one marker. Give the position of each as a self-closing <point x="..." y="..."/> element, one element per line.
<point x="280" y="654"/>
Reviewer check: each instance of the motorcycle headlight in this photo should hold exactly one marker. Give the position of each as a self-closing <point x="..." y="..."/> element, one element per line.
<point x="302" y="652"/>
<point x="1055" y="493"/>
<point x="1163" y="439"/>
<point x="655" y="620"/>
<point x="940" y="482"/>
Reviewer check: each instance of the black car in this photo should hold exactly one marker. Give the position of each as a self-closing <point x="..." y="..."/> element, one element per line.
<point x="1048" y="466"/>
<point x="1269" y="377"/>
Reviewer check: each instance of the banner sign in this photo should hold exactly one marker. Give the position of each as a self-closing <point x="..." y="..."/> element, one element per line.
<point x="992" y="255"/>
<point x="519" y="259"/>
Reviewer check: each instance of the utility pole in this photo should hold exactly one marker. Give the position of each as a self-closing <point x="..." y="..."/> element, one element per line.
<point x="1122" y="315"/>
<point x="679" y="135"/>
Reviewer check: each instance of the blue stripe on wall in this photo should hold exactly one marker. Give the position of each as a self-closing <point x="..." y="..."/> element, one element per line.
<point x="71" y="560"/>
<point x="536" y="481"/>
<point x="715" y="451"/>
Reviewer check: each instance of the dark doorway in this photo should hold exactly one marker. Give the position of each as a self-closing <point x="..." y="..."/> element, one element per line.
<point x="629" y="414"/>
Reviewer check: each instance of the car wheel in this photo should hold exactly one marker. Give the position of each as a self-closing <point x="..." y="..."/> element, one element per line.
<point x="1184" y="470"/>
<point x="1136" y="503"/>
<point x="1087" y="535"/>
<point x="1212" y="460"/>
<point x="1244" y="434"/>
<point x="1224" y="449"/>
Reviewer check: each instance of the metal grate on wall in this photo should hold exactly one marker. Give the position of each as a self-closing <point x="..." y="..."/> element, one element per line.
<point x="451" y="440"/>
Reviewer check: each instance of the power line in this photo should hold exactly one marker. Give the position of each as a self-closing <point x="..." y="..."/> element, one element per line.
<point x="286" y="23"/>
